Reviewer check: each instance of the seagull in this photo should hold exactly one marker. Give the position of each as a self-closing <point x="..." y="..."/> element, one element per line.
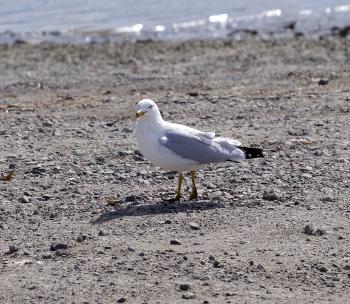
<point x="180" y="148"/>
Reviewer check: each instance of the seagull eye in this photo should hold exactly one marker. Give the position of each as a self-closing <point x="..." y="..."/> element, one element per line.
<point x="150" y="107"/>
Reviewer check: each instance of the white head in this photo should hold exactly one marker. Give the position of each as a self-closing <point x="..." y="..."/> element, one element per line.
<point x="147" y="109"/>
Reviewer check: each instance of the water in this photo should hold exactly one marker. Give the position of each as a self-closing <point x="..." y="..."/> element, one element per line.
<point x="37" y="20"/>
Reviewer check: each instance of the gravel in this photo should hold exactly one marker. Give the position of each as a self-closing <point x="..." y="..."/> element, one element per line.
<point x="92" y="219"/>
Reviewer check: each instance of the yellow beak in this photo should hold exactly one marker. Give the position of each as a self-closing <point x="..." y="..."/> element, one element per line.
<point x="140" y="113"/>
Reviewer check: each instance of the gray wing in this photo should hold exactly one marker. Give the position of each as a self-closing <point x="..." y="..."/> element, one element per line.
<point x="200" y="150"/>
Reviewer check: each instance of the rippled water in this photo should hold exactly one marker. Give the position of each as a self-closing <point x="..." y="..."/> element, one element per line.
<point x="42" y="19"/>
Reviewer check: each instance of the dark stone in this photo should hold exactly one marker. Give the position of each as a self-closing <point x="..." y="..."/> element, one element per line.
<point x="323" y="269"/>
<point x="121" y="300"/>
<point x="12" y="249"/>
<point x="175" y="242"/>
<point x="184" y="287"/>
<point x="130" y="198"/>
<point x="38" y="170"/>
<point x="81" y="238"/>
<point x="102" y="233"/>
<point x="47" y="123"/>
<point x="323" y="81"/>
<point x="58" y="246"/>
<point x="216" y="264"/>
<point x="311" y="230"/>
<point x="270" y="195"/>
<point x="24" y="199"/>
<point x="99" y="159"/>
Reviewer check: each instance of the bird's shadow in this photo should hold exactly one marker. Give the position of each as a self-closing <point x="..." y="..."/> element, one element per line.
<point x="163" y="207"/>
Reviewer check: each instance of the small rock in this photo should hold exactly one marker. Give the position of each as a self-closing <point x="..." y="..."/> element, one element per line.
<point x="323" y="81"/>
<point x="306" y="169"/>
<point x="130" y="198"/>
<point x="12" y="249"/>
<point x="194" y="226"/>
<point x="189" y="296"/>
<point x="216" y="264"/>
<point x="99" y="159"/>
<point x="297" y="132"/>
<point x="81" y="238"/>
<point x="121" y="300"/>
<point x="60" y="252"/>
<point x="347" y="267"/>
<point x="138" y="156"/>
<point x="328" y="199"/>
<point x="58" y="246"/>
<point x="24" y="199"/>
<point x="175" y="242"/>
<point x="309" y="229"/>
<point x="102" y="233"/>
<point x="270" y="195"/>
<point x="323" y="269"/>
<point x="38" y="170"/>
<point x="184" y="287"/>
<point x="306" y="175"/>
<point x="167" y="222"/>
<point x="47" y="123"/>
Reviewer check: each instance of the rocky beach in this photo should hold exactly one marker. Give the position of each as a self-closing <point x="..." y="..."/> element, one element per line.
<point x="84" y="218"/>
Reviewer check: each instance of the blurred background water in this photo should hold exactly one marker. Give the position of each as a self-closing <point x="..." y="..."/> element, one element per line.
<point x="163" y="19"/>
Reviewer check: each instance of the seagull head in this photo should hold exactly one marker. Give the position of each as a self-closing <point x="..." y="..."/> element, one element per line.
<point x="147" y="108"/>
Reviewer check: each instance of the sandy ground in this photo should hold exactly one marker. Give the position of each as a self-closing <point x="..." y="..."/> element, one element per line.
<point x="85" y="219"/>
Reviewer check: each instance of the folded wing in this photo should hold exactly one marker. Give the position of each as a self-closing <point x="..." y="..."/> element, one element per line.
<point x="200" y="148"/>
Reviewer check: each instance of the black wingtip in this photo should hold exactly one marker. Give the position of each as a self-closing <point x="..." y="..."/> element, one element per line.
<point x="252" y="152"/>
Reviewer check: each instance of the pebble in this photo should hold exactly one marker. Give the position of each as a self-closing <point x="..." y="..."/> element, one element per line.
<point x="175" y="242"/>
<point x="311" y="230"/>
<point x="58" y="246"/>
<point x="184" y="286"/>
<point x="81" y="238"/>
<point x="323" y="81"/>
<point x="121" y="300"/>
<point x="24" y="199"/>
<point x="194" y="226"/>
<point x="323" y="269"/>
<point x="102" y="232"/>
<point x="38" y="170"/>
<point x="12" y="249"/>
<point x="189" y="296"/>
<point x="306" y="175"/>
<point x="216" y="264"/>
<point x="270" y="195"/>
<point x="47" y="123"/>
<point x="99" y="159"/>
<point x="60" y="252"/>
<point x="297" y="132"/>
<point x="130" y="198"/>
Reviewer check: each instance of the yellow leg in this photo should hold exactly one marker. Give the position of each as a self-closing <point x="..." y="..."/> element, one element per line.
<point x="178" y="193"/>
<point x="194" y="193"/>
